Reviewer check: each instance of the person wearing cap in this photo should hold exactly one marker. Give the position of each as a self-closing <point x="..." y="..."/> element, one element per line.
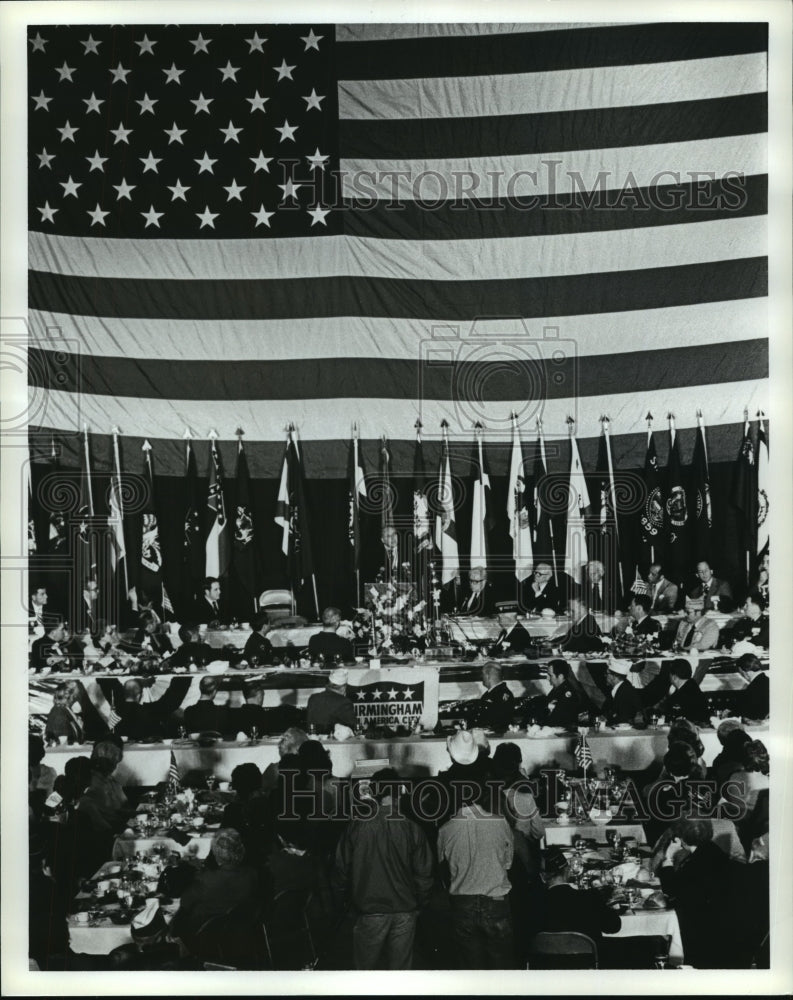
<point x="327" y="645"/>
<point x="686" y="700"/>
<point x="258" y="648"/>
<point x="715" y="594"/>
<point x="326" y="708"/>
<point x="497" y="704"/>
<point x="205" y="716"/>
<point x="755" y="698"/>
<point x="583" y="636"/>
<point x="622" y="703"/>
<point x="233" y="884"/>
<point x="566" y="908"/>
<point x="383" y="869"/>
<point x="696" y="632"/>
<point x="477" y="846"/>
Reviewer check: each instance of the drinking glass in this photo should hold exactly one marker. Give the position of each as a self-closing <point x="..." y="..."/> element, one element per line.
<point x="660" y="961"/>
<point x="254" y="734"/>
<point x="211" y="782"/>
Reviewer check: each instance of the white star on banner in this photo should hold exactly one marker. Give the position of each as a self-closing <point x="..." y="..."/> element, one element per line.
<point x="172" y="75"/>
<point x="205" y="164"/>
<point x="38" y="42"/>
<point x="65" y="72"/>
<point x="147" y="104"/>
<point x="92" y="103"/>
<point x="178" y="191"/>
<point x="146" y="46"/>
<point x="287" y="128"/>
<point x="120" y="74"/>
<point x="42" y="101"/>
<point x="407" y="694"/>
<point x="377" y="694"/>
<point x="67" y="132"/>
<point x="257" y="103"/>
<point x="45" y="158"/>
<point x="290" y="190"/>
<point x="231" y="132"/>
<point x="96" y="161"/>
<point x="234" y="190"/>
<point x="207" y="218"/>
<point x="70" y="187"/>
<point x="152" y="218"/>
<point x="318" y="215"/>
<point x="284" y="72"/>
<point x="121" y="134"/>
<point x="150" y="163"/>
<point x="97" y="215"/>
<point x="229" y="72"/>
<point x="261" y="162"/>
<point x="200" y="44"/>
<point x="392" y="694"/>
<point x="255" y="43"/>
<point x="202" y="103"/>
<point x="124" y="189"/>
<point x="47" y="213"/>
<point x="312" y="41"/>
<point x="313" y="100"/>
<point x="360" y="695"/>
<point x="91" y="45"/>
<point x="317" y="160"/>
<point x="263" y="217"/>
<point x="174" y="134"/>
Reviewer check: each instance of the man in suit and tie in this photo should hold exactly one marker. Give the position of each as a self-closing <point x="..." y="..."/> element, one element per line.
<point x="478" y="598"/>
<point x="597" y="592"/>
<point x="716" y="594"/>
<point x="39" y="618"/>
<point x="687" y="701"/>
<point x="623" y="702"/>
<point x="208" y="608"/>
<point x="755" y="699"/>
<point x="88" y="611"/>
<point x="540" y="591"/>
<point x="583" y="636"/>
<point x="642" y="624"/>
<point x="663" y="593"/>
<point x="696" y="631"/>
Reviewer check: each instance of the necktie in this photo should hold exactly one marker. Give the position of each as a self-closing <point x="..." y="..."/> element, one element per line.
<point x="215" y="606"/>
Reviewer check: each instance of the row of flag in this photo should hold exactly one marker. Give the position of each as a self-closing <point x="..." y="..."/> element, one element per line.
<point x="673" y="525"/>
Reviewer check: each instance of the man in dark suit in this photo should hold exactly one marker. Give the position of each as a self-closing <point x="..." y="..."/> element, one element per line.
<point x="623" y="702"/>
<point x="716" y="594"/>
<point x="193" y="650"/>
<point x="643" y="624"/>
<point x="258" y="648"/>
<point x="251" y="715"/>
<point x="88" y="608"/>
<point x="540" y="591"/>
<point x="663" y="593"/>
<point x="755" y="699"/>
<point x="497" y="703"/>
<point x="597" y="591"/>
<point x="687" y="701"/>
<point x="145" y="720"/>
<point x="208" y="609"/>
<point x="50" y="649"/>
<point x="569" y="909"/>
<point x="562" y="703"/>
<point x="327" y="644"/>
<point x="326" y="708"/>
<point x="752" y="628"/>
<point x="205" y="716"/>
<point x="40" y="617"/>
<point x="583" y="636"/>
<point x="477" y="597"/>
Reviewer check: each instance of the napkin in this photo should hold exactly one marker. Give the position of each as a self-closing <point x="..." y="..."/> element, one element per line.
<point x="341" y="732"/>
<point x="628" y="870"/>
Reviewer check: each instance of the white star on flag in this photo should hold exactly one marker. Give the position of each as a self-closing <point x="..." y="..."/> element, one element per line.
<point x="96" y="161"/>
<point x="205" y="164"/>
<point x="290" y="189"/>
<point x="376" y="694"/>
<point x="313" y="100"/>
<point x="146" y="46"/>
<point x="230" y="132"/>
<point x="392" y="694"/>
<point x="91" y="45"/>
<point x="150" y="162"/>
<point x="121" y="134"/>
<point x="68" y="132"/>
<point x="284" y="72"/>
<point x="407" y="694"/>
<point x="261" y="162"/>
<point x="287" y="128"/>
<point x="317" y="160"/>
<point x="360" y="695"/>
<point x="234" y="190"/>
<point x="200" y="44"/>
<point x="207" y="218"/>
<point x="178" y="191"/>
<point x="65" y="72"/>
<point x="97" y="215"/>
<point x="152" y="218"/>
<point x="173" y="74"/>
<point x="312" y="41"/>
<point x="255" y="43"/>
<point x="147" y="104"/>
<point x="120" y="74"/>
<point x="41" y="102"/>
<point x="45" y="158"/>
<point x="92" y="103"/>
<point x="202" y="103"/>
<point x="47" y="213"/>
<point x="257" y="103"/>
<point x="263" y="217"/>
<point x="229" y="72"/>
<point x="70" y="187"/>
<point x="175" y="134"/>
<point x="318" y="215"/>
<point x="124" y="189"/>
<point x="38" y="42"/>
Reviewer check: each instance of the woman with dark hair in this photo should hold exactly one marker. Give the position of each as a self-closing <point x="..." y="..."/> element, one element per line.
<point x="249" y="814"/>
<point x="702" y="886"/>
<point x="676" y="792"/>
<point x="731" y="758"/>
<point x="64" y="725"/>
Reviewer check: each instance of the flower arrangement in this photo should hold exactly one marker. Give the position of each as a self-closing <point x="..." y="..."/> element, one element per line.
<point x="392" y="621"/>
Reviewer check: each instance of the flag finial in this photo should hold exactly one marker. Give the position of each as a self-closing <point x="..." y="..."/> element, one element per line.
<point x="649" y="417"/>
<point x="444" y="423"/>
<point x="239" y="432"/>
<point x="418" y="424"/>
<point x="116" y="431"/>
<point x="213" y="435"/>
<point x="145" y="446"/>
<point x="188" y="434"/>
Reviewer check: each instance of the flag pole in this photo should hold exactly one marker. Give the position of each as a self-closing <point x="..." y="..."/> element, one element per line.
<point x="358" y="598"/>
<point x="649" y="419"/>
<point x="541" y="437"/>
<point x="120" y="500"/>
<point x="88" y="471"/>
<point x="606" y="420"/>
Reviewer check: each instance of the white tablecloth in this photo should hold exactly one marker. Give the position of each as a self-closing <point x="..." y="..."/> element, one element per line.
<point x="126" y="845"/>
<point x="563" y="833"/>
<point x="647" y="923"/>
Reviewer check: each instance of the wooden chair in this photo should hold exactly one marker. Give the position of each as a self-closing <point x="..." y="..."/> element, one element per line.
<point x="562" y="950"/>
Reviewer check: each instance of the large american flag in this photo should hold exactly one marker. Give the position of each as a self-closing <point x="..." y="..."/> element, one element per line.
<point x="250" y="225"/>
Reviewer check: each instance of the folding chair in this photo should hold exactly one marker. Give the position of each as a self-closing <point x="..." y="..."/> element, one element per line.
<point x="285" y="926"/>
<point x="562" y="950"/>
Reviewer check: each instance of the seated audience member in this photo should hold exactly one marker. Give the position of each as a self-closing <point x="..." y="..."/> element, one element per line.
<point x="715" y="594"/>
<point x="687" y="701"/>
<point x="622" y="703"/>
<point x="327" y="645"/>
<point x="496" y="705"/>
<point x="139" y="720"/>
<point x="566" y="908"/>
<point x="583" y="636"/>
<point x="563" y="701"/>
<point x="663" y="593"/>
<point x="41" y="777"/>
<point x="760" y="586"/>
<point x="326" y="708"/>
<point x="677" y="792"/>
<point x="700" y="881"/>
<point x="49" y="651"/>
<point x="540" y="592"/>
<point x="639" y="610"/>
<point x="477" y="598"/>
<point x="383" y="868"/>
<point x="149" y="636"/>
<point x="696" y="632"/>
<point x="192" y="649"/>
<point x="258" y="648"/>
<point x="64" y="725"/>
<point x="733" y="739"/>
<point x="208" y="609"/>
<point x="752" y="628"/>
<point x="216" y="891"/>
<point x="745" y="785"/>
<point x="250" y="813"/>
<point x="288" y="745"/>
<point x="88" y="608"/>
<point x="684" y="731"/>
<point x="755" y="699"/>
<point x="205" y="716"/>
<point x="251" y="715"/>
<point x="104" y="802"/>
<point x="151" y="949"/>
<point x="477" y="846"/>
<point x="40" y="617"/>
<point x="518" y="806"/>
